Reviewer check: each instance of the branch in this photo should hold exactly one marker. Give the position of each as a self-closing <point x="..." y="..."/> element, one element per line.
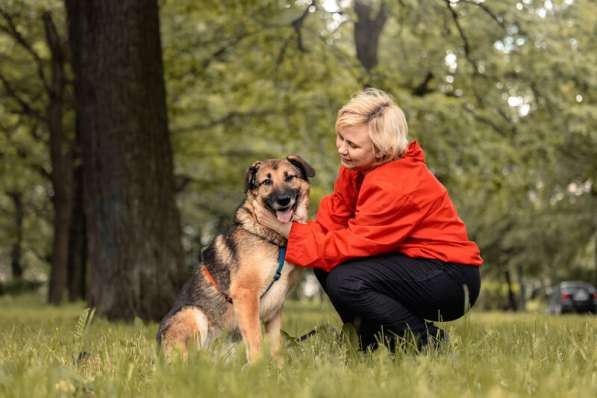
<point x="423" y="88"/>
<point x="26" y="108"/>
<point x="487" y="121"/>
<point x="297" y="25"/>
<point x="58" y="57"/>
<point x="498" y="19"/>
<point x="12" y="30"/>
<point x="219" y="53"/>
<point x="467" y="50"/>
<point x="282" y="52"/>
<point x="22" y="150"/>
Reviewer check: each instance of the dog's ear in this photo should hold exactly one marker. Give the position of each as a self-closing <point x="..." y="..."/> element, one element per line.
<point x="302" y="165"/>
<point x="251" y="176"/>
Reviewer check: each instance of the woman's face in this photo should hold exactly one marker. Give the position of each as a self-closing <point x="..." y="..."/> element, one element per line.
<point x="355" y="147"/>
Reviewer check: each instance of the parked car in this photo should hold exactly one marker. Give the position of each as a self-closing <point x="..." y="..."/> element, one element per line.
<point x="572" y="297"/>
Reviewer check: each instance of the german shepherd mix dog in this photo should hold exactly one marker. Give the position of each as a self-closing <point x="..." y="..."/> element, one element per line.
<point x="235" y="285"/>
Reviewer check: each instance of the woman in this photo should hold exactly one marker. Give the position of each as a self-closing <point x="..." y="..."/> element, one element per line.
<point x="387" y="245"/>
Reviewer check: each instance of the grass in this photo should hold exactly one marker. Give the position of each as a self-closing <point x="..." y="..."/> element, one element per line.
<point x="489" y="354"/>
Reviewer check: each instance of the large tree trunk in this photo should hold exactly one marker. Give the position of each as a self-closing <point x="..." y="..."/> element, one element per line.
<point x="367" y="30"/>
<point x="16" y="265"/>
<point x="77" y="250"/>
<point x="133" y="224"/>
<point x="62" y="166"/>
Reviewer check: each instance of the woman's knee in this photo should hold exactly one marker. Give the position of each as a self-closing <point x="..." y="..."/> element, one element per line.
<point x="343" y="284"/>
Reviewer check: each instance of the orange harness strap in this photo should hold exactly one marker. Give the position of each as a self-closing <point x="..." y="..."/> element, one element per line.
<point x="211" y="280"/>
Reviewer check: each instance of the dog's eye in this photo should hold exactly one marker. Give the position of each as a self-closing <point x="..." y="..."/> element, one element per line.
<point x="289" y="178"/>
<point x="266" y="182"/>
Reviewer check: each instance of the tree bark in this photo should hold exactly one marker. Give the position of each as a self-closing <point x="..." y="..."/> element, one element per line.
<point x="61" y="159"/>
<point x="367" y="30"/>
<point x="522" y="296"/>
<point x="16" y="265"/>
<point x="595" y="259"/>
<point x="133" y="225"/>
<point x="77" y="249"/>
<point x="512" y="305"/>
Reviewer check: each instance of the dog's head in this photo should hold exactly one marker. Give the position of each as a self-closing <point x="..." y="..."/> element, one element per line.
<point x="282" y="186"/>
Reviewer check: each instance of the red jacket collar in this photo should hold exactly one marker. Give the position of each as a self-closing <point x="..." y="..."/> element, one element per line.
<point x="414" y="152"/>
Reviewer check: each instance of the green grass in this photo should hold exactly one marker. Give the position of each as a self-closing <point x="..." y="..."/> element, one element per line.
<point x="489" y="354"/>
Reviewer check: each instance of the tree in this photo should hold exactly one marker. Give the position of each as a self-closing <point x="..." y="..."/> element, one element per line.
<point x="61" y="155"/>
<point x="133" y="223"/>
<point x="484" y="85"/>
<point x="17" y="247"/>
<point x="42" y="102"/>
<point x="498" y="93"/>
<point x="367" y="30"/>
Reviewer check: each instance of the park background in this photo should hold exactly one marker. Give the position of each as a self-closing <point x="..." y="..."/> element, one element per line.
<point x="126" y="128"/>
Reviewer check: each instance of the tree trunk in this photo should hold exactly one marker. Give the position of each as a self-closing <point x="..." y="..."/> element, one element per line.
<point x="77" y="253"/>
<point x="522" y="296"/>
<point x="367" y="30"/>
<point x="595" y="259"/>
<point x="60" y="157"/>
<point x="133" y="225"/>
<point x="16" y="265"/>
<point x="511" y="297"/>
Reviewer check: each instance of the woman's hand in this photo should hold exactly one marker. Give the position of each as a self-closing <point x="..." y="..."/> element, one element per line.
<point x="267" y="219"/>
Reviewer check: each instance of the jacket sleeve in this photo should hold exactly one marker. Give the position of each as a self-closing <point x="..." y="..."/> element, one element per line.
<point x="382" y="219"/>
<point x="337" y="208"/>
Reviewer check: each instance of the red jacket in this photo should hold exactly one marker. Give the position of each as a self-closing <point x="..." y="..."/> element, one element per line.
<point x="396" y="207"/>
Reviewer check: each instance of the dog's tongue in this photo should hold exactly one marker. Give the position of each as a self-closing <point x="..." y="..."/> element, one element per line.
<point x="284" y="216"/>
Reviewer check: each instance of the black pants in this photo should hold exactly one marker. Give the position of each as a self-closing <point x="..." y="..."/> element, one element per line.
<point x="398" y="295"/>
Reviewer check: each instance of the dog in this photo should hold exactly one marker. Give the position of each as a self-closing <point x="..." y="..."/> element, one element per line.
<point x="235" y="287"/>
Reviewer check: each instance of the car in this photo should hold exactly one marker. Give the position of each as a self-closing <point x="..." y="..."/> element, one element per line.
<point x="573" y="297"/>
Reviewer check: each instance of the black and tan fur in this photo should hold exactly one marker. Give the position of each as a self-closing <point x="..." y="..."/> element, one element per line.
<point x="242" y="262"/>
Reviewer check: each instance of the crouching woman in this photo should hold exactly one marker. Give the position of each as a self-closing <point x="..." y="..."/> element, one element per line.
<point x="387" y="245"/>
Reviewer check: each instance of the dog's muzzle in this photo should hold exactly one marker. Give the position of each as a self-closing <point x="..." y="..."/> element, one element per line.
<point x="283" y="205"/>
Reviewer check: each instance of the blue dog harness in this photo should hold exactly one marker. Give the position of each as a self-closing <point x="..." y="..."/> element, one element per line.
<point x="281" y="256"/>
<point x="278" y="274"/>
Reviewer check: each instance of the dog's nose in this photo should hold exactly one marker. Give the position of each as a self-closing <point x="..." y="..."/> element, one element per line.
<point x="283" y="200"/>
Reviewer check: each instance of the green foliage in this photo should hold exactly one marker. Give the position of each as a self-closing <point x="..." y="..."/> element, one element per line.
<point x="24" y="154"/>
<point x="252" y="87"/>
<point x="500" y="94"/>
<point x="488" y="355"/>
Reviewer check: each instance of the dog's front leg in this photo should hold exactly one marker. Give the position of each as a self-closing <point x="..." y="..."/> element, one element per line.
<point x="272" y="330"/>
<point x="246" y="310"/>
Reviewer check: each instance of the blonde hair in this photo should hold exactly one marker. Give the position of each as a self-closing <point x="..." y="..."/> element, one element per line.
<point x="387" y="124"/>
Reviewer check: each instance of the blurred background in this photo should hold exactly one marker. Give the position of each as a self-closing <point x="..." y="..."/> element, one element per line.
<point x="126" y="130"/>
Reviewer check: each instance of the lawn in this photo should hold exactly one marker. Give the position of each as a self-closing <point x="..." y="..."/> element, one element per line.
<point x="489" y="354"/>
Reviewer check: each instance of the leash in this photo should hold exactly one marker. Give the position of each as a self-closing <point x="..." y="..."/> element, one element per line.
<point x="281" y="256"/>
